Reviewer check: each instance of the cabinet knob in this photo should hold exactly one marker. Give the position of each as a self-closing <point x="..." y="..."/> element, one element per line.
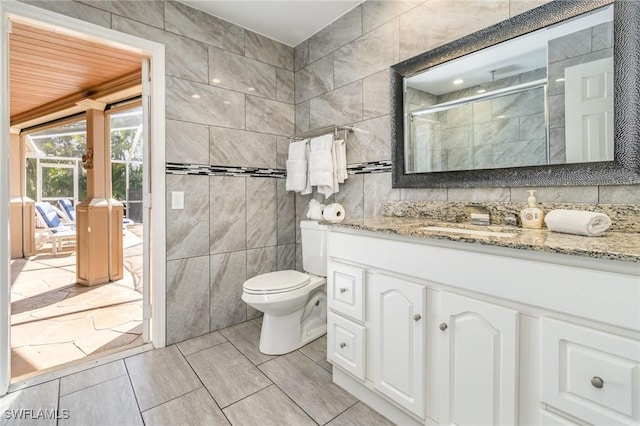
<point x="597" y="382"/>
<point x="343" y="345"/>
<point x="443" y="326"/>
<point x="417" y="317"/>
<point x="343" y="289"/>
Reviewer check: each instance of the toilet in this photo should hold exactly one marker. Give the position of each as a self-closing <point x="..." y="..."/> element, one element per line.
<point x="294" y="303"/>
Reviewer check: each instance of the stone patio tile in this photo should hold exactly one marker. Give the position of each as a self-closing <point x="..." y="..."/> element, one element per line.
<point x="104" y="340"/>
<point x="33" y="358"/>
<point x="63" y="332"/>
<point x="113" y="316"/>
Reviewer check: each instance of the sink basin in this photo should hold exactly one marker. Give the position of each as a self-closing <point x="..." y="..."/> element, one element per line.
<point x="469" y="232"/>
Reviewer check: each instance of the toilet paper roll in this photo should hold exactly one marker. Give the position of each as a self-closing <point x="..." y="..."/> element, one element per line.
<point x="334" y="213"/>
<point x="315" y="210"/>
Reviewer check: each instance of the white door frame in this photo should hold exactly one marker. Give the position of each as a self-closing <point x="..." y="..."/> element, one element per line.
<point x="11" y="10"/>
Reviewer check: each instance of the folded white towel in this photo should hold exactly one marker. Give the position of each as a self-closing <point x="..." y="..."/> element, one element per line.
<point x="334" y="158"/>
<point x="298" y="150"/>
<point x="577" y="222"/>
<point x="321" y="168"/>
<point x="321" y="164"/>
<point x="297" y="167"/>
<point x="340" y="165"/>
<point x="296" y="175"/>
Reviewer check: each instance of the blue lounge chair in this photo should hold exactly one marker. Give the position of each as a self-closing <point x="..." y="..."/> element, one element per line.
<point x="70" y="211"/>
<point x="67" y="207"/>
<point x="57" y="230"/>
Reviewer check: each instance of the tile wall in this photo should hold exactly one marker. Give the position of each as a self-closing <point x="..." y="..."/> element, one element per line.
<point x="587" y="45"/>
<point x="229" y="103"/>
<point x="505" y="131"/>
<point x="341" y="77"/>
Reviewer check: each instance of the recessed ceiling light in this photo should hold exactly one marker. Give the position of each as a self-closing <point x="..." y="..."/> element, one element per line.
<point x="458" y="81"/>
<point x="195" y="96"/>
<point x="559" y="80"/>
<point x="251" y="89"/>
<point x="215" y="81"/>
<point x="482" y="90"/>
<point x="226" y="102"/>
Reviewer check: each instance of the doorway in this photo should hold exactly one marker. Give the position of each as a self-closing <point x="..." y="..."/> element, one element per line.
<point x="54" y="320"/>
<point x="151" y="110"/>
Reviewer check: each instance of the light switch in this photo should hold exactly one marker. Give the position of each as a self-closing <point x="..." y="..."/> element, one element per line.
<point x="177" y="200"/>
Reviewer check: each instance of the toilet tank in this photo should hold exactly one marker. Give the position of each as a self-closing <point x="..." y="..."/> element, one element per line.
<point x="314" y="247"/>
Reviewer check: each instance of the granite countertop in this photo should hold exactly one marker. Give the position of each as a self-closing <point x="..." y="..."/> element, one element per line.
<point x="621" y="246"/>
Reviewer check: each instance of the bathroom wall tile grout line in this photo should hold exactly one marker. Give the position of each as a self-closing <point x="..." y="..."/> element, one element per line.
<point x="208" y="257"/>
<point x="246" y="242"/>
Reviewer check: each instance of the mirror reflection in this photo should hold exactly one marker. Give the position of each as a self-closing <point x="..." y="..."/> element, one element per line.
<point x="542" y="98"/>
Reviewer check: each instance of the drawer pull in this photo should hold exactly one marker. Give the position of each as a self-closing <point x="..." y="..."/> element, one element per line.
<point x="343" y="290"/>
<point x="443" y="326"/>
<point x="343" y="345"/>
<point x="597" y="382"/>
<point x="417" y="317"/>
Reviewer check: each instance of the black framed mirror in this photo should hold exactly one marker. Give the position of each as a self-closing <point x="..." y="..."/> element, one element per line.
<point x="441" y="119"/>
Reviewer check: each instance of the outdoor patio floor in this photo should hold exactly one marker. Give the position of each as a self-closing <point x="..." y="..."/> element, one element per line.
<point x="55" y="321"/>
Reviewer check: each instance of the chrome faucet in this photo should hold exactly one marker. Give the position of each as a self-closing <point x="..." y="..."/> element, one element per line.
<point x="479" y="215"/>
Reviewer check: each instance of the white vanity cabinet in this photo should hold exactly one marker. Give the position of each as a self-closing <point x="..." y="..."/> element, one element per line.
<point x="449" y="333"/>
<point x="479" y="355"/>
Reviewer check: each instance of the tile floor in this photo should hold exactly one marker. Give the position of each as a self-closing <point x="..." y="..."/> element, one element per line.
<point x="216" y="379"/>
<point x="54" y="320"/>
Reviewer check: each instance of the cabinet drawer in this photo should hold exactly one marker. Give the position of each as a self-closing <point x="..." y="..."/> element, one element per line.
<point x="550" y="419"/>
<point x="590" y="374"/>
<point x="346" y="345"/>
<point x="345" y="290"/>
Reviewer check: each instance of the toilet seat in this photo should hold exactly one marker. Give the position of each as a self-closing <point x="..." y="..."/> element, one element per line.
<point x="276" y="282"/>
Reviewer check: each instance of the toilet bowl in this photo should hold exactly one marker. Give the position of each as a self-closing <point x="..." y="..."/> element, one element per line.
<point x="292" y="317"/>
<point x="294" y="303"/>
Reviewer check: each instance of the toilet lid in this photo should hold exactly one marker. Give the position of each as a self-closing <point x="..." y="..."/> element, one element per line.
<point x="276" y="282"/>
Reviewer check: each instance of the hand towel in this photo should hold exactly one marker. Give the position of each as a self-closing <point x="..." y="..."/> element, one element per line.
<point x="297" y="165"/>
<point x="307" y="149"/>
<point x="334" y="158"/>
<point x="321" y="164"/>
<point x="340" y="164"/>
<point x="577" y="222"/>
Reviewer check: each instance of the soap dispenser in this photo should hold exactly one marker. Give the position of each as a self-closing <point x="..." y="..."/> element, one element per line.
<point x="532" y="216"/>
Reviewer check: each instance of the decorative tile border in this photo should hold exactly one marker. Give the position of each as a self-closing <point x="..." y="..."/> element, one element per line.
<point x="369" y="167"/>
<point x="207" y="170"/>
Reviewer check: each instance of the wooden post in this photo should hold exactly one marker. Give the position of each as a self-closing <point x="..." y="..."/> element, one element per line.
<point x="98" y="227"/>
<point x="15" y="208"/>
<point x="22" y="225"/>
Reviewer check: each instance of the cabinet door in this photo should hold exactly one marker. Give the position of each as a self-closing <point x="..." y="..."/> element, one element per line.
<point x="397" y="330"/>
<point x="479" y="361"/>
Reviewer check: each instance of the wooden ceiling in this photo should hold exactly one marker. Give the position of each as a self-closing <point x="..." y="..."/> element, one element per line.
<point x="47" y="68"/>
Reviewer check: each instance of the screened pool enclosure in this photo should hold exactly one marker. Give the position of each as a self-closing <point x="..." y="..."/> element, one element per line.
<point x="54" y="160"/>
